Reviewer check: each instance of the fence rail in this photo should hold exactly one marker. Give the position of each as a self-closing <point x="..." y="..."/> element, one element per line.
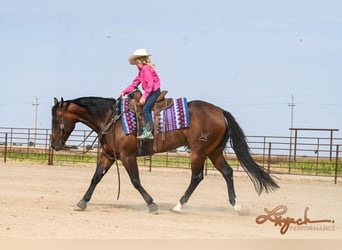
<point x="318" y="156"/>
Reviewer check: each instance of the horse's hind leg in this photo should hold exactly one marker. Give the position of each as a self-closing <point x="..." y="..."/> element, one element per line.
<point x="222" y="165"/>
<point x="197" y="166"/>
<point x="101" y="169"/>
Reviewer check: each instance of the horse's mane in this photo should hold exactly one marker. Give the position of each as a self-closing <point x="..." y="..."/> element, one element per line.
<point x="91" y="101"/>
<point x="96" y="106"/>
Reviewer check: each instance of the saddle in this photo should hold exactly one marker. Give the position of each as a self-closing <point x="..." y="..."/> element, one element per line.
<point x="160" y="104"/>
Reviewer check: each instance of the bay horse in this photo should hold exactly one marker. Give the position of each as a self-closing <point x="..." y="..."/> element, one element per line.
<point x="217" y="125"/>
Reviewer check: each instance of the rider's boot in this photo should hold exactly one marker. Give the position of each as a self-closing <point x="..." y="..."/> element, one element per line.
<point x="147" y="133"/>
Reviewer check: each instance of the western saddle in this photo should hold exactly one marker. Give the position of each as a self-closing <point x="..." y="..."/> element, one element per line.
<point x="160" y="104"/>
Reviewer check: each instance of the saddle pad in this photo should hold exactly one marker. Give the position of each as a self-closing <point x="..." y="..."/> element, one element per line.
<point x="173" y="118"/>
<point x="128" y="117"/>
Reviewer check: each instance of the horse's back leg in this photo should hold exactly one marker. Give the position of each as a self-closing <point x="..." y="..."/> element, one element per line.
<point x="226" y="170"/>
<point x="130" y="163"/>
<point x="102" y="168"/>
<point x="197" y="166"/>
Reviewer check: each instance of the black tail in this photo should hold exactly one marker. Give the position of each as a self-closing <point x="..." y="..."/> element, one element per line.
<point x="262" y="180"/>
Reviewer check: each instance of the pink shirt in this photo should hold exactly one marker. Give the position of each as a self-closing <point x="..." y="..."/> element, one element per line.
<point x="148" y="78"/>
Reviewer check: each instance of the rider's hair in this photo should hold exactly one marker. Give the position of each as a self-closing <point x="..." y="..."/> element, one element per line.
<point x="145" y="60"/>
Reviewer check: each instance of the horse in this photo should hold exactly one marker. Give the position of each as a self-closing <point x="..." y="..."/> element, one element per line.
<point x="210" y="129"/>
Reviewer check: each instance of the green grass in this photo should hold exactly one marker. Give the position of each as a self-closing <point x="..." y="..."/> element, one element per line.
<point x="309" y="166"/>
<point x="26" y="157"/>
<point x="312" y="167"/>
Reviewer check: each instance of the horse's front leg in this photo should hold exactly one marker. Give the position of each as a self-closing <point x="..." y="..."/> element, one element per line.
<point x="101" y="169"/>
<point x="130" y="163"/>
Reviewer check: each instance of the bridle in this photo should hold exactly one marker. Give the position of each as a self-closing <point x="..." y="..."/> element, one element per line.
<point x="115" y="116"/>
<point x="61" y="127"/>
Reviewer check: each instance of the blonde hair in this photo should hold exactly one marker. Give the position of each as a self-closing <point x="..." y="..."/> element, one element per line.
<point x="145" y="60"/>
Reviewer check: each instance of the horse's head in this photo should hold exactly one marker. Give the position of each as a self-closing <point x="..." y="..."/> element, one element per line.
<point x="62" y="124"/>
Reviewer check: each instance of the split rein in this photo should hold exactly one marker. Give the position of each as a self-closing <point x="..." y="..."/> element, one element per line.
<point x="111" y="122"/>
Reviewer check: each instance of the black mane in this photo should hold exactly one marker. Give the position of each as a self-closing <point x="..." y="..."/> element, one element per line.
<point x="96" y="106"/>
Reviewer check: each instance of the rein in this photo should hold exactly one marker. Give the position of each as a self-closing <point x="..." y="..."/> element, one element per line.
<point x="61" y="132"/>
<point x="109" y="124"/>
<point x="61" y="127"/>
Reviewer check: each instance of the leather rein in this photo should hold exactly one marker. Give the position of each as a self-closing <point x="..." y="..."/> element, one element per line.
<point x="110" y="122"/>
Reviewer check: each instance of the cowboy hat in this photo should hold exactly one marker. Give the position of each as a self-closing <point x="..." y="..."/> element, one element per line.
<point x="136" y="54"/>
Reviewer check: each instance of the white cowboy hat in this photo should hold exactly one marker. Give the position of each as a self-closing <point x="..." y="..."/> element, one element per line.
<point x="136" y="54"/>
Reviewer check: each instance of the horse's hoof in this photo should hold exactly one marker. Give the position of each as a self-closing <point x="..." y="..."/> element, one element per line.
<point x="178" y="208"/>
<point x="81" y="205"/>
<point x="176" y="211"/>
<point x="241" y="210"/>
<point x="237" y="207"/>
<point x="153" y="208"/>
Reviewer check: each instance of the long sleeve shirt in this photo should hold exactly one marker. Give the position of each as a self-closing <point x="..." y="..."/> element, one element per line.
<point x="148" y="78"/>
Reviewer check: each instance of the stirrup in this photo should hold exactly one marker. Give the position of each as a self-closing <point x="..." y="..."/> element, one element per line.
<point x="145" y="135"/>
<point x="149" y="136"/>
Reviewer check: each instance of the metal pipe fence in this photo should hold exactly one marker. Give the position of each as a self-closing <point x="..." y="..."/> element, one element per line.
<point x="317" y="156"/>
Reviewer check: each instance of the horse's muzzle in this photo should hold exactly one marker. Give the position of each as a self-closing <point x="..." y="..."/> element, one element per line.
<point x="59" y="145"/>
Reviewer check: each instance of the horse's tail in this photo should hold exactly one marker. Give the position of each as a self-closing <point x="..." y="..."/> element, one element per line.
<point x="262" y="180"/>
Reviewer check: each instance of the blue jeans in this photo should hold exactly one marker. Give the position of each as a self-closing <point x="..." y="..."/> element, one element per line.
<point x="151" y="99"/>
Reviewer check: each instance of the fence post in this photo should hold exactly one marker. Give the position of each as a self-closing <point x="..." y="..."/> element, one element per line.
<point x="28" y="143"/>
<point x="295" y="147"/>
<point x="263" y="152"/>
<point x="269" y="156"/>
<point x="50" y="157"/>
<point x="331" y="144"/>
<point x="5" y="153"/>
<point x="336" y="166"/>
<point x="317" y="156"/>
<point x="167" y="159"/>
<point x="150" y="168"/>
<point x="84" y="143"/>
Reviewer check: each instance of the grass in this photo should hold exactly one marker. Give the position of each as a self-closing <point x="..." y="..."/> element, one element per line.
<point x="310" y="166"/>
<point x="322" y="167"/>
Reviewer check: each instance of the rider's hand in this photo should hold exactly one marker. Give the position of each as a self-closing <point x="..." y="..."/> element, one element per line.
<point x="121" y="95"/>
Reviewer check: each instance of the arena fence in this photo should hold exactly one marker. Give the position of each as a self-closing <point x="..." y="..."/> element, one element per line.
<point x="309" y="155"/>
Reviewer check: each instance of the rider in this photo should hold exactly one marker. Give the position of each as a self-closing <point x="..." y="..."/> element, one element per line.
<point x="149" y="79"/>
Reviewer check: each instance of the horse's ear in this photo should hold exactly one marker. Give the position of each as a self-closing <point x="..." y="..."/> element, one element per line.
<point x="55" y="101"/>
<point x="62" y="100"/>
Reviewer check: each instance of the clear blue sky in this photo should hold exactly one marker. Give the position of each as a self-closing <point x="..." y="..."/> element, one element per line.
<point x="248" y="57"/>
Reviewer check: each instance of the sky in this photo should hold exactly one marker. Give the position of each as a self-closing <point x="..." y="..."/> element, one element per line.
<point x="248" y="57"/>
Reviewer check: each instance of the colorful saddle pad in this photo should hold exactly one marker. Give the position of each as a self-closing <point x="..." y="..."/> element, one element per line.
<point x="128" y="117"/>
<point x="173" y="118"/>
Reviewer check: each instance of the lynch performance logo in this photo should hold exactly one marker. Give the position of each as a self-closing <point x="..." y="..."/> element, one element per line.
<point x="279" y="218"/>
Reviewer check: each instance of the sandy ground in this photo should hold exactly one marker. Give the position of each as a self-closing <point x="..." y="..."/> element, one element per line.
<point x="38" y="201"/>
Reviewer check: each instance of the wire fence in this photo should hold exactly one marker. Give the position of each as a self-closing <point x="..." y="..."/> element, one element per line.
<point x="309" y="155"/>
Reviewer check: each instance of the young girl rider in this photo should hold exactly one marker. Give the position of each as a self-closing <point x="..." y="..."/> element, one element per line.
<point x="149" y="79"/>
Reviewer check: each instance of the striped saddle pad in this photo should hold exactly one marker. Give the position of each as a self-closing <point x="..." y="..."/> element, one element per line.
<point x="174" y="117"/>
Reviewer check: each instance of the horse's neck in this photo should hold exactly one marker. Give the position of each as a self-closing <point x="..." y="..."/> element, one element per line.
<point x="92" y="122"/>
<point x="93" y="113"/>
